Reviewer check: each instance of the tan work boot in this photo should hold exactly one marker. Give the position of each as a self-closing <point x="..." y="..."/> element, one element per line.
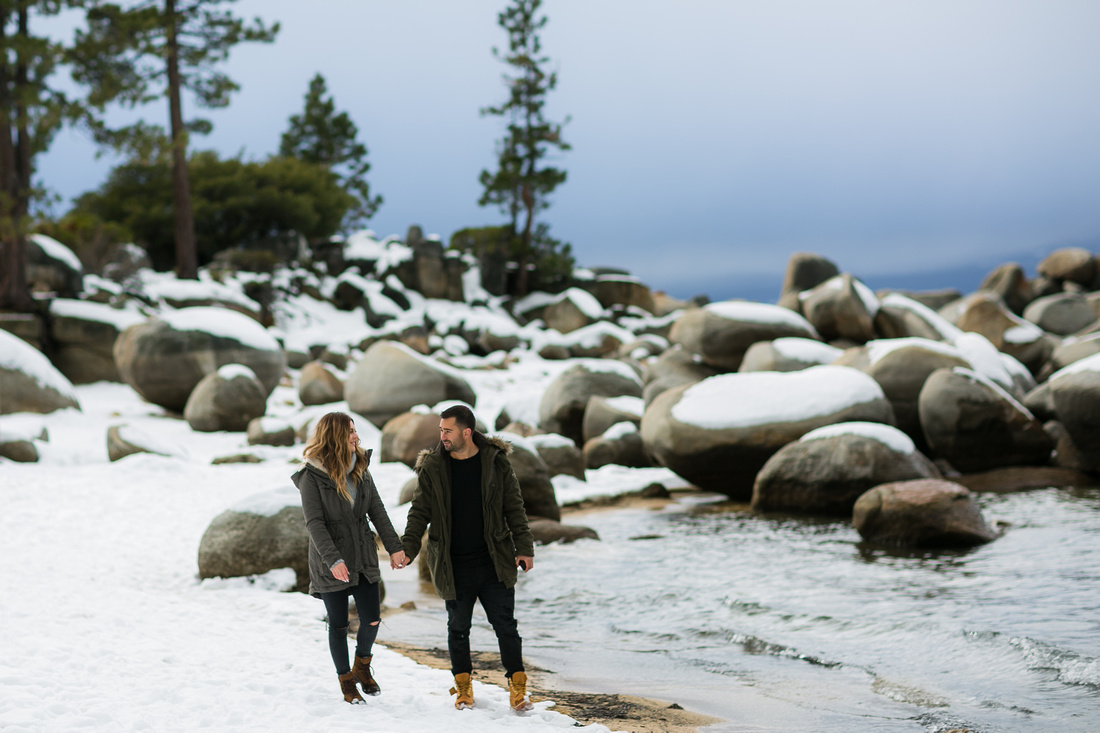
<point x="517" y="692"/>
<point x="464" y="688"/>
<point x="351" y="693"/>
<point x="361" y="671"/>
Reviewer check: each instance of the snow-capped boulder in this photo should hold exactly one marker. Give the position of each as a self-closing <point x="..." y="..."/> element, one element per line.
<point x="985" y="313"/>
<point x="721" y="333"/>
<point x="229" y="399"/>
<point x="270" y="431"/>
<point x="673" y="368"/>
<point x="623" y="290"/>
<point x="259" y="534"/>
<point x="182" y="294"/>
<point x="976" y="425"/>
<point x="900" y="316"/>
<point x="404" y="436"/>
<point x="165" y="357"/>
<point x="805" y="271"/>
<point x="788" y="355"/>
<point x="125" y="440"/>
<point x="560" y="454"/>
<point x="1069" y="351"/>
<point x="83" y="336"/>
<point x="318" y="385"/>
<point x="620" y="445"/>
<point x="1062" y="314"/>
<point x="573" y="309"/>
<point x="602" y="412"/>
<point x="841" y="308"/>
<point x="827" y="469"/>
<point x="720" y="432"/>
<point x="29" y="382"/>
<point x="1075" y="391"/>
<point x="562" y="407"/>
<point x="53" y="267"/>
<point x="1075" y="264"/>
<point x="925" y="513"/>
<point x="391" y="379"/>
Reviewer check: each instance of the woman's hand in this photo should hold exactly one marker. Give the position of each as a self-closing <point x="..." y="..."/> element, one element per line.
<point x="340" y="572"/>
<point x="398" y="560"/>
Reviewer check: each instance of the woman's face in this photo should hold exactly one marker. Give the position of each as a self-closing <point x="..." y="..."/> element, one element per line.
<point x="353" y="438"/>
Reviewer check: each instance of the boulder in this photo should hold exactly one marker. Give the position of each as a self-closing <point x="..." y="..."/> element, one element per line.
<point x="270" y="431"/>
<point x="1040" y="403"/>
<point x="1075" y="264"/>
<point x="123" y="440"/>
<point x="83" y="336"/>
<point x="985" y="313"/>
<point x="720" y="432"/>
<point x="902" y="317"/>
<point x="29" y="382"/>
<point x="164" y="358"/>
<point x="788" y="355"/>
<point x="673" y="368"/>
<point x="933" y="299"/>
<point x="925" y="513"/>
<point x="408" y="489"/>
<point x="1069" y="351"/>
<point x="721" y="333"/>
<point x="404" y="436"/>
<point x="257" y="535"/>
<point x="18" y="450"/>
<point x="391" y="379"/>
<point x="573" y="309"/>
<point x="561" y="409"/>
<point x="603" y="412"/>
<point x="827" y="469"/>
<point x="547" y="531"/>
<point x="621" y="445"/>
<point x="534" y="479"/>
<point x="841" y="308"/>
<point x="317" y="385"/>
<point x="186" y="294"/>
<point x="229" y="399"/>
<point x="1075" y="391"/>
<point x="1061" y="314"/>
<point x="1009" y="283"/>
<point x="805" y="271"/>
<point x="1066" y="453"/>
<point x="623" y="290"/>
<point x="975" y="425"/>
<point x="1024" y="478"/>
<point x="561" y="455"/>
<point x="51" y="267"/>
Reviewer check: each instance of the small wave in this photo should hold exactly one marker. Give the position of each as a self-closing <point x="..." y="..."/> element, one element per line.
<point x="1070" y="667"/>
<point x="901" y="692"/>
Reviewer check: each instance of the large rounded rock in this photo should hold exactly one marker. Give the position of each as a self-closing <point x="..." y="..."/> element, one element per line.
<point x="621" y="445"/>
<point x="561" y="455"/>
<point x="841" y="308"/>
<point x="827" y="469"/>
<point x="1071" y="350"/>
<point x="534" y="479"/>
<point x="260" y="534"/>
<point x="976" y="425"/>
<point x="623" y="290"/>
<point x="317" y="385"/>
<point x="901" y="366"/>
<point x="673" y="368"/>
<point x="270" y="431"/>
<point x="52" y="267"/>
<point x="29" y="382"/>
<point x="900" y="316"/>
<point x="788" y="355"/>
<point x="547" y="531"/>
<point x="562" y="407"/>
<point x="1010" y="283"/>
<point x="406" y="435"/>
<point x="1075" y="264"/>
<point x="603" y="412"/>
<point x="806" y="270"/>
<point x="985" y="313"/>
<point x="1075" y="392"/>
<point x="229" y="399"/>
<point x="720" y="432"/>
<point x="721" y="333"/>
<point x="83" y="336"/>
<point x="124" y="440"/>
<point x="165" y="357"/>
<point x="920" y="514"/>
<point x="572" y="310"/>
<point x="391" y="379"/>
<point x="1063" y="314"/>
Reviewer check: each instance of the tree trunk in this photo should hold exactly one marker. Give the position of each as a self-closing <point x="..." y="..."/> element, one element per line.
<point x="14" y="165"/>
<point x="186" y="257"/>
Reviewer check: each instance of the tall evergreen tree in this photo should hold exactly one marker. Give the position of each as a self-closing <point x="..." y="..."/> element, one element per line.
<point x="321" y="135"/>
<point x="522" y="183"/>
<point x="134" y="54"/>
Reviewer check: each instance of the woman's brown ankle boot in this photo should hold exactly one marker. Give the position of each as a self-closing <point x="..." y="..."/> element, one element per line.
<point x="351" y="692"/>
<point x="361" y="671"/>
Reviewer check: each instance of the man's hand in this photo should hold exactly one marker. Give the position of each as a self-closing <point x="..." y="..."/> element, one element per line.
<point x="398" y="560"/>
<point x="340" y="572"/>
<point x="525" y="562"/>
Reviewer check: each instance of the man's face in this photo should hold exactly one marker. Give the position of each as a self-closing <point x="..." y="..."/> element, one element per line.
<point x="452" y="435"/>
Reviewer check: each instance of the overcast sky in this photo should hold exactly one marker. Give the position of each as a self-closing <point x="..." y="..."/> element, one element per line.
<point x="711" y="138"/>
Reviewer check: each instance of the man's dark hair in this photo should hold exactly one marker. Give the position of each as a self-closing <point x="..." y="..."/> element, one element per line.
<point x="463" y="416"/>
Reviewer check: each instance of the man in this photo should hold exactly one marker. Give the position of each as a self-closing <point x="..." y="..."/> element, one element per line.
<point x="468" y="499"/>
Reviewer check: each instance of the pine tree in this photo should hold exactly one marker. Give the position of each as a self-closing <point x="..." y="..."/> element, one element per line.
<point x="522" y="184"/>
<point x="133" y="55"/>
<point x="320" y="135"/>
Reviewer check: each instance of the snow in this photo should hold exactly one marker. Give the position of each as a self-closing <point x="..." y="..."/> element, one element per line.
<point x="363" y="245"/>
<point x="269" y="503"/>
<point x="95" y="312"/>
<point x="984" y="357"/>
<point x="550" y="440"/>
<point x="619" y="430"/>
<point x="1088" y="364"/>
<point x="56" y="250"/>
<point x="612" y="480"/>
<point x="888" y="435"/>
<point x="627" y="404"/>
<point x="806" y="350"/>
<point x="737" y="310"/>
<point x="879" y="349"/>
<point x="1022" y="333"/>
<point x="19" y="356"/>
<point x="586" y="302"/>
<point x="222" y="323"/>
<point x="947" y="330"/>
<point x="742" y="400"/>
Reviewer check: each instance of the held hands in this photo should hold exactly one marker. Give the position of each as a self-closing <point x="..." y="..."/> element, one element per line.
<point x="398" y="560"/>
<point x="525" y="562"/>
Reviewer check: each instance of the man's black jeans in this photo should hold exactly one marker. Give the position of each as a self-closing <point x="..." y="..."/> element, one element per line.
<point x="481" y="584"/>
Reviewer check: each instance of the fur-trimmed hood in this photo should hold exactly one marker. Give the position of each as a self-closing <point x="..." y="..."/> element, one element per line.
<point x="482" y="441"/>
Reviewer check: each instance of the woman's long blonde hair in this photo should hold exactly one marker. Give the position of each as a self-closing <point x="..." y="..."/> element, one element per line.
<point x="329" y="446"/>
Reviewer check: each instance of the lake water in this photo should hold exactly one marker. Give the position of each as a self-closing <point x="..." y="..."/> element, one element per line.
<point x="790" y="624"/>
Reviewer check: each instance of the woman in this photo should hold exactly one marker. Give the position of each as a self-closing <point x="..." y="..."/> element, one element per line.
<point x="338" y="495"/>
